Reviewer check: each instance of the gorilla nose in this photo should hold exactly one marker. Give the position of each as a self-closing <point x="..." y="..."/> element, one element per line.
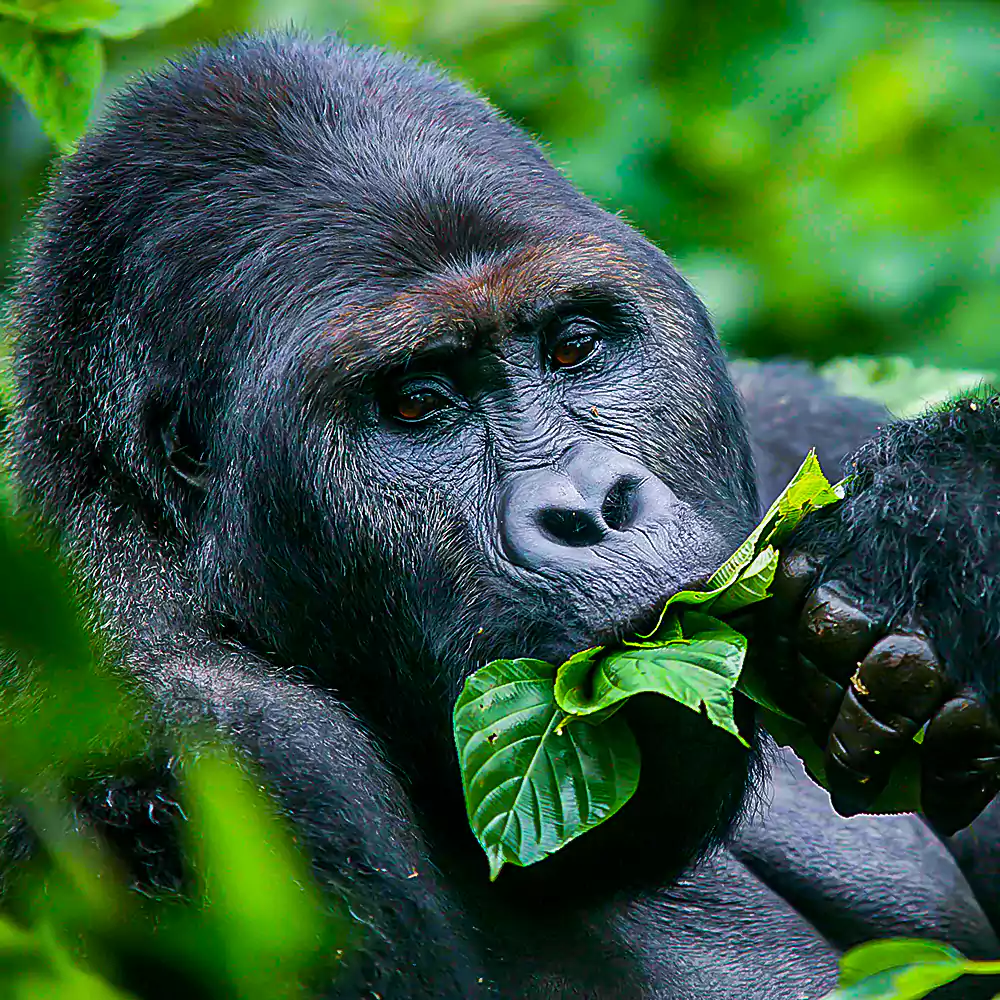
<point x="595" y="500"/>
<point x="570" y="518"/>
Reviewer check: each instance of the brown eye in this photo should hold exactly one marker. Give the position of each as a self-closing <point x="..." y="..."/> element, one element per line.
<point x="570" y="353"/>
<point x="416" y="403"/>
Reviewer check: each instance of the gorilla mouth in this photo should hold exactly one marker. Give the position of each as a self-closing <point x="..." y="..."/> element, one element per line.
<point x="557" y="647"/>
<point x="642" y="624"/>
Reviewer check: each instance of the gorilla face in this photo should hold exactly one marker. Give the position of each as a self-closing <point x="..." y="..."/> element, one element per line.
<point x="545" y="439"/>
<point x="516" y="454"/>
<point x="522" y="454"/>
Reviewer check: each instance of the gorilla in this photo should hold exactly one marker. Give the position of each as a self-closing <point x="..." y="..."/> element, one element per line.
<point x="335" y="389"/>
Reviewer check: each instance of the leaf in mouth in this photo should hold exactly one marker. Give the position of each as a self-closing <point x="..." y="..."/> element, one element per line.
<point x="544" y="754"/>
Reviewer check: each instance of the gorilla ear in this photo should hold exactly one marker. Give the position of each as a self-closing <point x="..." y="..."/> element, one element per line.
<point x="184" y="452"/>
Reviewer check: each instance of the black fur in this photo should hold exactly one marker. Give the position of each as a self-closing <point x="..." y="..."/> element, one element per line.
<point x="919" y="531"/>
<point x="231" y="278"/>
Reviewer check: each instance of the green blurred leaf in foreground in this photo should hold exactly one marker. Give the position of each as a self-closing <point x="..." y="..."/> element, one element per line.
<point x="62" y="708"/>
<point x="249" y="922"/>
<point x="60" y="16"/>
<point x="57" y="75"/>
<point x="36" y="965"/>
<point x="902" y="969"/>
<point x="268" y="923"/>
<point x="52" y="53"/>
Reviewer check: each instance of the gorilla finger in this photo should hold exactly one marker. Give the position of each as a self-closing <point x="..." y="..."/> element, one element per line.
<point x="861" y="752"/>
<point x="895" y="691"/>
<point x="835" y="631"/>
<point x="795" y="575"/>
<point x="960" y="763"/>
<point x="901" y="681"/>
<point x="796" y="685"/>
<point x="815" y="699"/>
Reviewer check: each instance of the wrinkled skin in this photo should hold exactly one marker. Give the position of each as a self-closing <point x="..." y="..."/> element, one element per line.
<point x="336" y="390"/>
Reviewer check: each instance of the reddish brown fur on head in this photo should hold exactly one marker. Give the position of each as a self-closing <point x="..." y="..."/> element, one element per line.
<point x="481" y="301"/>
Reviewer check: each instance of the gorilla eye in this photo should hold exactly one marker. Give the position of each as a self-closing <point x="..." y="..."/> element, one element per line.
<point x="415" y="403"/>
<point x="573" y="351"/>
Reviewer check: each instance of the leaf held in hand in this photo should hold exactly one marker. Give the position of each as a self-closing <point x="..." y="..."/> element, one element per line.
<point x="699" y="673"/>
<point x="544" y="756"/>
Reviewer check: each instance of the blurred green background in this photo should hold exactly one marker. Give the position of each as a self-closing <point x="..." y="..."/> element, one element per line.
<point x="826" y="173"/>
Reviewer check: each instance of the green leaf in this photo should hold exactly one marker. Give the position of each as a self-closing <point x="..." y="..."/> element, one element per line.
<point x="700" y="673"/>
<point x="900" y="385"/>
<point x="879" y="956"/>
<point x="269" y="923"/>
<point x="123" y="19"/>
<point x="57" y="75"/>
<point x="755" y="687"/>
<point x="752" y="585"/>
<point x="58" y="703"/>
<point x="135" y="16"/>
<point x="534" y="781"/>
<point x="62" y="16"/>
<point x="901" y="969"/>
<point x="807" y="491"/>
<point x="909" y="983"/>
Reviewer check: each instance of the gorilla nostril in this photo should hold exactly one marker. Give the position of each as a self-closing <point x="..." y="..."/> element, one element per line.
<point x="578" y="528"/>
<point x="621" y="504"/>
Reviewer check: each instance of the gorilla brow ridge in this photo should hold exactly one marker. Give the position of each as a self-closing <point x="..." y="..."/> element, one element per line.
<point x="482" y="304"/>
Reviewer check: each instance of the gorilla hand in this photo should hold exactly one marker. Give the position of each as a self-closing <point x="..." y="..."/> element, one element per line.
<point x="886" y="617"/>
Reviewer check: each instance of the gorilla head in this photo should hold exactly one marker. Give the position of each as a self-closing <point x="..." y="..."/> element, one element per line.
<point x="322" y="357"/>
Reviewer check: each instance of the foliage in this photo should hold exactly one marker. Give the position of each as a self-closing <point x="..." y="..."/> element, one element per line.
<point x="52" y="52"/>
<point x="543" y="756"/>
<point x="532" y="782"/>
<point x="250" y="924"/>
